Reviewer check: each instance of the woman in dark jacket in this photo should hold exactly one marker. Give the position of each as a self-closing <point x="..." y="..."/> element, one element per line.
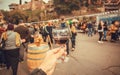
<point x="105" y="29"/>
<point x="73" y="38"/>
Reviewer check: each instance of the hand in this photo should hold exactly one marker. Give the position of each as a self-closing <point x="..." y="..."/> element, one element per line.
<point x="50" y="60"/>
<point x="32" y="36"/>
<point x="23" y="40"/>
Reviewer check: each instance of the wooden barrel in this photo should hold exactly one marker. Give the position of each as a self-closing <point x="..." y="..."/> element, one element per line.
<point x="35" y="55"/>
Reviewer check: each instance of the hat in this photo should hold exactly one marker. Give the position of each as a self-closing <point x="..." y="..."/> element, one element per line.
<point x="10" y="27"/>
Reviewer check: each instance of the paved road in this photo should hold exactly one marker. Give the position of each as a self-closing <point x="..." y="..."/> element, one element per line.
<point x="89" y="58"/>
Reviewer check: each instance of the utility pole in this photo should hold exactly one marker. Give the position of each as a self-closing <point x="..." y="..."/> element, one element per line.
<point x="20" y="1"/>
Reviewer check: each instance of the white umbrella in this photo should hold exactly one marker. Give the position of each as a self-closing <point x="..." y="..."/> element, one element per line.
<point x="75" y="20"/>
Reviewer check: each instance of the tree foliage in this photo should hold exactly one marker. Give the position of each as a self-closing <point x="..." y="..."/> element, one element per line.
<point x="66" y="6"/>
<point x="62" y="7"/>
<point x="16" y="15"/>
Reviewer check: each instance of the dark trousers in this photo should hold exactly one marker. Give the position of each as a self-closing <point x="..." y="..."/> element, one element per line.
<point x="90" y="30"/>
<point x="12" y="59"/>
<point x="31" y="40"/>
<point x="44" y="37"/>
<point x="51" y="38"/>
<point x="73" y="40"/>
<point x="100" y="36"/>
<point x="23" y="48"/>
<point x="113" y="36"/>
<point x="66" y="41"/>
<point x="2" y="57"/>
<point x="67" y="45"/>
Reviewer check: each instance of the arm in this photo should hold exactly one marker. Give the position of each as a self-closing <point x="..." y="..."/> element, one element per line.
<point x="49" y="63"/>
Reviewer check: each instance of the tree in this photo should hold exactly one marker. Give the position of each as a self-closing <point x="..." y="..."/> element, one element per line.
<point x="66" y="6"/>
<point x="14" y="16"/>
<point x="6" y="15"/>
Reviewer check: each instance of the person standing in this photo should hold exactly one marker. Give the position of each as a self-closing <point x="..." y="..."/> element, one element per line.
<point x="49" y="30"/>
<point x="32" y="31"/>
<point x="25" y="35"/>
<point x="73" y="38"/>
<point x="11" y="47"/>
<point x="105" y="29"/>
<point x="100" y="31"/>
<point x="113" y="30"/>
<point x="44" y="32"/>
<point x="63" y="25"/>
<point x="90" y="29"/>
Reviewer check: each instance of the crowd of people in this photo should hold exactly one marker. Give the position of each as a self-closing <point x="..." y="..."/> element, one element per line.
<point x="15" y="39"/>
<point x="103" y="28"/>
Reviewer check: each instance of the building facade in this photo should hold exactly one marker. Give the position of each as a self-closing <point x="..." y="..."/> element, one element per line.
<point x="32" y="5"/>
<point x="13" y="6"/>
<point x="112" y="5"/>
<point x="50" y="6"/>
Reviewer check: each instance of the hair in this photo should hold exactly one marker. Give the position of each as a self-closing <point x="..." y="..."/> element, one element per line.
<point x="113" y="22"/>
<point x="10" y="27"/>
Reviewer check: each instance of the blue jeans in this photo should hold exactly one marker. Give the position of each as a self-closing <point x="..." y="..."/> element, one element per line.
<point x="105" y="34"/>
<point x="90" y="31"/>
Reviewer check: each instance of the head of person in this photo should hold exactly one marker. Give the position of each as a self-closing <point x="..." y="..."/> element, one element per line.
<point x="62" y="19"/>
<point x="116" y="23"/>
<point x="49" y="23"/>
<point x="10" y="27"/>
<point x="21" y="22"/>
<point x="101" y="23"/>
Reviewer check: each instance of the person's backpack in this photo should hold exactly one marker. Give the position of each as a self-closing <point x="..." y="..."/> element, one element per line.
<point x="63" y="25"/>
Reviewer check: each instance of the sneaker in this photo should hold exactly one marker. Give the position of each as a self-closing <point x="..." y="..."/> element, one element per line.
<point x="21" y="60"/>
<point x="73" y="49"/>
<point x="100" y="41"/>
<point x="112" y="40"/>
<point x="66" y="59"/>
<point x="3" y="66"/>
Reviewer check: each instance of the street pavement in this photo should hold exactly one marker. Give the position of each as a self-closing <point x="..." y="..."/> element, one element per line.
<point x="89" y="58"/>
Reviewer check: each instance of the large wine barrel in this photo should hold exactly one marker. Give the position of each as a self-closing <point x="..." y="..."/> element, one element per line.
<point x="35" y="55"/>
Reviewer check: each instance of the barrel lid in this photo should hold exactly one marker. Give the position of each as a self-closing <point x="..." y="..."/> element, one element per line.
<point x="34" y="47"/>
